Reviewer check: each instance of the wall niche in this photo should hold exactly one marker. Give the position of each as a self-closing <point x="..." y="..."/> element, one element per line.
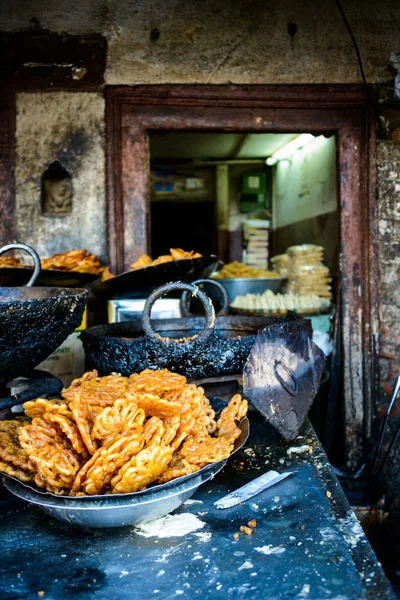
<point x="56" y="191"/>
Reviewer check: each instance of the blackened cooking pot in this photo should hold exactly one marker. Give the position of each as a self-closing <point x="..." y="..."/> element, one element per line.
<point x="207" y="346"/>
<point x="34" y="321"/>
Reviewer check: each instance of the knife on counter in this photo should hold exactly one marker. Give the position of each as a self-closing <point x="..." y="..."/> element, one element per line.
<point x="251" y="489"/>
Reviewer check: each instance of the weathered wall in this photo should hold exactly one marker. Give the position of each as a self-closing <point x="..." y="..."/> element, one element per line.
<point x="388" y="186"/>
<point x="305" y="185"/>
<point x="215" y="41"/>
<point x="68" y="127"/>
<point x="305" y="200"/>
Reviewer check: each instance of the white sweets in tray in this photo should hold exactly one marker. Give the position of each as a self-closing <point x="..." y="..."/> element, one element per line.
<point x="270" y="301"/>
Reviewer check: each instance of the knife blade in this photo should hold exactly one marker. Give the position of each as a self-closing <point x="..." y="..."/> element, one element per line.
<point x="251" y="489"/>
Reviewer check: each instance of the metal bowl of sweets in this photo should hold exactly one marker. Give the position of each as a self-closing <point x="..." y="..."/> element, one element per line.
<point x="117" y="451"/>
<point x="240" y="279"/>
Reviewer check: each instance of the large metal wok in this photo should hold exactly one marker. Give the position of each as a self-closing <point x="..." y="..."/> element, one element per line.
<point x="140" y="282"/>
<point x="34" y="322"/>
<point x="199" y="347"/>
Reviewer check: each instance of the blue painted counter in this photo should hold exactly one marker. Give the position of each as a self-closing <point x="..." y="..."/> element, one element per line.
<point x="307" y="542"/>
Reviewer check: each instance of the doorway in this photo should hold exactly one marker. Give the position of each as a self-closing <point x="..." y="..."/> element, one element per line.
<point x="205" y="186"/>
<point x="343" y="111"/>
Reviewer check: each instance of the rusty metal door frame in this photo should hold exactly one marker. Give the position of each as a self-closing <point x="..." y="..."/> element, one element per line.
<point x="134" y="111"/>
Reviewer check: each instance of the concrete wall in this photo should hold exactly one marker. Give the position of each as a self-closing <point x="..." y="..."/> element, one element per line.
<point x="215" y="41"/>
<point x="305" y="185"/>
<point x="305" y="200"/>
<point x="388" y="184"/>
<point x="68" y="127"/>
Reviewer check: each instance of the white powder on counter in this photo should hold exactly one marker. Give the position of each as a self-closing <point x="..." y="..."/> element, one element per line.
<point x="170" y="526"/>
<point x="204" y="536"/>
<point x="246" y="565"/>
<point x="298" y="449"/>
<point x="269" y="549"/>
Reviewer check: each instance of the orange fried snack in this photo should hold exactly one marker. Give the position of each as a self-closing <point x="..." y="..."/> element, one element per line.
<point x="175" y="254"/>
<point x="113" y="421"/>
<point x="96" y="474"/>
<point x="179" y="254"/>
<point x="143" y="261"/>
<point x="40" y="406"/>
<point x="92" y="389"/>
<point x="7" y="262"/>
<point x="178" y="467"/>
<point x="117" y="435"/>
<point x="235" y="411"/>
<point x="80" y="261"/>
<point x="146" y="466"/>
<point x="8" y="469"/>
<point x="203" y="449"/>
<point x="10" y="448"/>
<point x="106" y="274"/>
<point x="156" y="382"/>
<point x="51" y="455"/>
<point x="85" y="414"/>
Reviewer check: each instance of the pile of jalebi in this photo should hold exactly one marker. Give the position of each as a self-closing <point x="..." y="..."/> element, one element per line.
<point x="176" y="254"/>
<point x="80" y="261"/>
<point x="117" y="434"/>
<point x="9" y="262"/>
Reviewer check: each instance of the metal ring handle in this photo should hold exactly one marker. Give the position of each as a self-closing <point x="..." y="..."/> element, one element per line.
<point x="225" y="298"/>
<point x="172" y="287"/>
<point x="34" y="256"/>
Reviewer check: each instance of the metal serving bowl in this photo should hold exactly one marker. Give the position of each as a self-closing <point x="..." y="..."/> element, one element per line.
<point x="119" y="510"/>
<point x="239" y="286"/>
<point x="122" y="510"/>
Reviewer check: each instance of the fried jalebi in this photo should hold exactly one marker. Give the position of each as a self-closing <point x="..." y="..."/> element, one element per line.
<point x="51" y="455"/>
<point x="106" y="462"/>
<point x="171" y="426"/>
<point x="192" y="401"/>
<point x="85" y="416"/>
<point x="97" y="390"/>
<point x="226" y="424"/>
<point x="143" y="261"/>
<point x="164" y="258"/>
<point x="37" y="408"/>
<point x="24" y="476"/>
<point x="156" y="382"/>
<point x="142" y="469"/>
<point x="10" y="448"/>
<point x="80" y="261"/>
<point x="155" y="406"/>
<point x="117" y="435"/>
<point x="203" y="449"/>
<point x="178" y="467"/>
<point x="81" y="380"/>
<point x="175" y="254"/>
<point x="115" y="420"/>
<point x="69" y="428"/>
<point x="107" y="274"/>
<point x="179" y="254"/>
<point x="9" y="262"/>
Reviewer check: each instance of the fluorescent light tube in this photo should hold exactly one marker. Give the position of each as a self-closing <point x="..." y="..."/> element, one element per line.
<point x="287" y="150"/>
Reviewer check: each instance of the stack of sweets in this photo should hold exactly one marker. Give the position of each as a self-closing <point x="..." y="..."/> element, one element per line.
<point x="280" y="264"/>
<point x="306" y="272"/>
<point x="256" y="233"/>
